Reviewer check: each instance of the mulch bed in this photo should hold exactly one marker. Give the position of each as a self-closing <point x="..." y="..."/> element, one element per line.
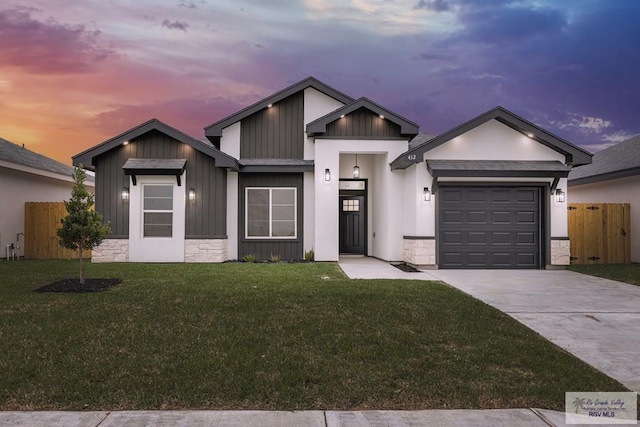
<point x="406" y="268"/>
<point x="74" y="285"/>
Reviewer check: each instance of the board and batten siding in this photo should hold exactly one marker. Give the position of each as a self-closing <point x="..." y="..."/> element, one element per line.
<point x="205" y="217"/>
<point x="363" y="123"/>
<point x="276" y="132"/>
<point x="288" y="249"/>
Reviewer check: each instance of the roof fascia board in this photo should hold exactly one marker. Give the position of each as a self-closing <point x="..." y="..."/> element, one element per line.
<point x="40" y="172"/>
<point x="215" y="129"/>
<point x="604" y="176"/>
<point x="276" y="168"/>
<point x="574" y="155"/>
<point x="319" y="126"/>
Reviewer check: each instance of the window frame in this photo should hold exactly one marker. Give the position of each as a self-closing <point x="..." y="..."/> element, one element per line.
<point x="145" y="211"/>
<point x="270" y="219"/>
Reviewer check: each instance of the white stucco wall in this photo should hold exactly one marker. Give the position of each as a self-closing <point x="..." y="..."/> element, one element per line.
<point x="309" y="212"/>
<point x="316" y="105"/>
<point x="493" y="141"/>
<point x="18" y="187"/>
<point x="385" y="194"/>
<point x="621" y="190"/>
<point x="232" y="215"/>
<point x="230" y="140"/>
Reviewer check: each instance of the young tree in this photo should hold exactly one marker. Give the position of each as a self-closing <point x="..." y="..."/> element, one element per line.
<point x="82" y="228"/>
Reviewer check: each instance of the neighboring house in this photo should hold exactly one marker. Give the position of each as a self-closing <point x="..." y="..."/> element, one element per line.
<point x="26" y="176"/>
<point x="312" y="168"/>
<point x="613" y="177"/>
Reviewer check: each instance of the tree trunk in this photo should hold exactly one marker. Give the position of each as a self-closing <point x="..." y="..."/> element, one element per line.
<point x="81" y="266"/>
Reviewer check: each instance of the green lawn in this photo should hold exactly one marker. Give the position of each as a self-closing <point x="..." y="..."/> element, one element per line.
<point x="629" y="273"/>
<point x="267" y="336"/>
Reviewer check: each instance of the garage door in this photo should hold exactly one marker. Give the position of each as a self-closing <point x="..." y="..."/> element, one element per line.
<point x="489" y="227"/>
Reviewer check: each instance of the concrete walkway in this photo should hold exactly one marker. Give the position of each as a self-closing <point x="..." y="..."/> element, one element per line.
<point x="444" y="418"/>
<point x="595" y="319"/>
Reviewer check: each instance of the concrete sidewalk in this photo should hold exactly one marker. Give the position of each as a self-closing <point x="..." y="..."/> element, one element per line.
<point x="444" y="418"/>
<point x="596" y="320"/>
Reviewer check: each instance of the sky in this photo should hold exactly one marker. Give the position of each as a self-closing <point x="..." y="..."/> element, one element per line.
<point x="76" y="73"/>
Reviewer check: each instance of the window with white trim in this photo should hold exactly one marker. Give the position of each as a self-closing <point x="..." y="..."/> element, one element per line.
<point x="157" y="208"/>
<point x="270" y="213"/>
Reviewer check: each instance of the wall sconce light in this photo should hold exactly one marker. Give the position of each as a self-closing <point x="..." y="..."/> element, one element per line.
<point x="560" y="196"/>
<point x="192" y="194"/>
<point x="327" y="175"/>
<point x="426" y="194"/>
<point x="125" y="193"/>
<point x="356" y="169"/>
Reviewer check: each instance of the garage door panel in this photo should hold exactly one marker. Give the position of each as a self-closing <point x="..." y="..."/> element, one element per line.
<point x="452" y="238"/>
<point x="451" y="195"/>
<point x="501" y="238"/>
<point x="454" y="259"/>
<point x="501" y="196"/>
<point x="477" y="217"/>
<point x="526" y="238"/>
<point x="477" y="238"/>
<point x="477" y="196"/>
<point x="489" y="227"/>
<point x="477" y="259"/>
<point x="526" y="196"/>
<point x="501" y="217"/>
<point x="528" y="217"/>
<point x="451" y="217"/>
<point x="527" y="259"/>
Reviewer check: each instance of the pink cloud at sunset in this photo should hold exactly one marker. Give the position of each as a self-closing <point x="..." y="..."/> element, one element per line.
<point x="74" y="75"/>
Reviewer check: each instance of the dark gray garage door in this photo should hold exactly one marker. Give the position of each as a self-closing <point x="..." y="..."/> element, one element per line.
<point x="489" y="227"/>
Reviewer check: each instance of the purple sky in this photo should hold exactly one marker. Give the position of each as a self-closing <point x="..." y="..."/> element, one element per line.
<point x="72" y="76"/>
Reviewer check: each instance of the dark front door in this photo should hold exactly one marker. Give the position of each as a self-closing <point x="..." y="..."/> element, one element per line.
<point x="352" y="225"/>
<point x="489" y="227"/>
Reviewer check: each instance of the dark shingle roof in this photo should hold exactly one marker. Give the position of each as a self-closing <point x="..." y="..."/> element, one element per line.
<point x="16" y="154"/>
<point x="618" y="161"/>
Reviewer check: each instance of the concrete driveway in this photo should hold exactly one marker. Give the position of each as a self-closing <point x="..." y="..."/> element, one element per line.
<point x="595" y="319"/>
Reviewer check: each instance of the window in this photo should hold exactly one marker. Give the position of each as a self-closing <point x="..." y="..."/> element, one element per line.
<point x="270" y="213"/>
<point x="157" y="207"/>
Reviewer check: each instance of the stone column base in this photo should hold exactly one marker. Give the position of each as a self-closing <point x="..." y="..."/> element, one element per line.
<point x="560" y="251"/>
<point x="111" y="250"/>
<point x="419" y="251"/>
<point x="205" y="250"/>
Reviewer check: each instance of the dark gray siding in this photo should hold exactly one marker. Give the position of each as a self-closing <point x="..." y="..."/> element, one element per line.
<point x="262" y="249"/>
<point x="276" y="132"/>
<point x="363" y="123"/>
<point x="205" y="217"/>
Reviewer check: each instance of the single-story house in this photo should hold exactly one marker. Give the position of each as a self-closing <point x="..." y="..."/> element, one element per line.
<point x="26" y="176"/>
<point x="310" y="167"/>
<point x="613" y="177"/>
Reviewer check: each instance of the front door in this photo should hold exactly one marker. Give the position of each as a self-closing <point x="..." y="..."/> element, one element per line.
<point x="352" y="225"/>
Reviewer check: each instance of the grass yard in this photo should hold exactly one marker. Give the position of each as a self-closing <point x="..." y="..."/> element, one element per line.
<point x="267" y="336"/>
<point x="629" y="273"/>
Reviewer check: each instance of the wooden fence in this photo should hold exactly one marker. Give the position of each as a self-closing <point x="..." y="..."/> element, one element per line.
<point x="600" y="233"/>
<point x="41" y="219"/>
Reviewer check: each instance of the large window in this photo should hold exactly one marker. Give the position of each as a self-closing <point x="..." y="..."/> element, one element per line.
<point x="270" y="213"/>
<point x="158" y="210"/>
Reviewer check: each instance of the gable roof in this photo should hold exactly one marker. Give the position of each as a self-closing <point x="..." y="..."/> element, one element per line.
<point x="319" y="126"/>
<point x="574" y="155"/>
<point x="86" y="157"/>
<point x="215" y="129"/>
<point x="14" y="154"/>
<point x="617" y="161"/>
